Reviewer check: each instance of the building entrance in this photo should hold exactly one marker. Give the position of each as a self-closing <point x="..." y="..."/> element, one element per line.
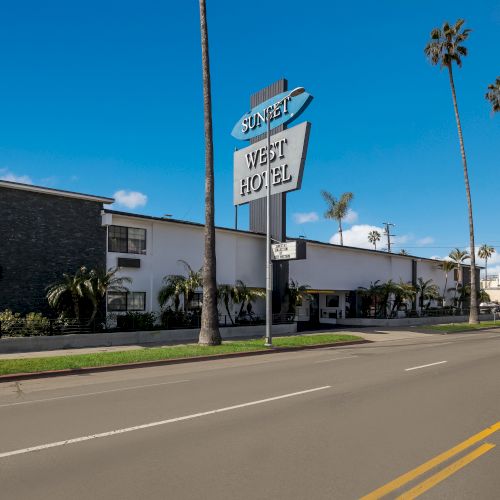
<point x="314" y="309"/>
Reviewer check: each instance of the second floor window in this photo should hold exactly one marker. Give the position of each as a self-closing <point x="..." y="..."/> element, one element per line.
<point x="126" y="239"/>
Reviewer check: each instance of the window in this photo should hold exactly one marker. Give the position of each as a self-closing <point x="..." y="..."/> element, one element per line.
<point x="117" y="301"/>
<point x="196" y="301"/>
<point x="332" y="301"/>
<point x="136" y="301"/>
<point x="126" y="301"/>
<point x="126" y="239"/>
<point x="117" y="239"/>
<point x="136" y="240"/>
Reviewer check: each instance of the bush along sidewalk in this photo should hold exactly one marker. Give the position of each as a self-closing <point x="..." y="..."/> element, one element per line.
<point x="189" y="351"/>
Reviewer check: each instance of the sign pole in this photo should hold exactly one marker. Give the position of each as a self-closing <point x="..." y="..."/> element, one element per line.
<point x="269" y="291"/>
<point x="281" y="108"/>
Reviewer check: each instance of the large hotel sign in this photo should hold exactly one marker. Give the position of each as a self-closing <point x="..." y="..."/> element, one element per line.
<point x="287" y="149"/>
<point x="280" y="109"/>
<point x="287" y="156"/>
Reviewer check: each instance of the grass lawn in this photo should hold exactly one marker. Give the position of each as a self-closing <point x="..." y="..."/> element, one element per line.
<point x="31" y="365"/>
<point x="461" y="327"/>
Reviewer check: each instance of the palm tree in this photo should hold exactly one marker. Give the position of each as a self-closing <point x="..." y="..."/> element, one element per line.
<point x="99" y="282"/>
<point x="373" y="237"/>
<point x="402" y="292"/>
<point x="172" y="289"/>
<point x="176" y="285"/>
<point x="370" y="296"/>
<point x="458" y="257"/>
<point x="483" y="296"/>
<point x="297" y="293"/>
<point x="226" y="295"/>
<point x="446" y="266"/>
<point x="426" y="290"/>
<point x="192" y="282"/>
<point x="337" y="208"/>
<point x="493" y="95"/>
<point x="445" y="48"/>
<point x="246" y="295"/>
<point x="72" y="286"/>
<point x="485" y="252"/>
<point x="209" y="332"/>
<point x="403" y="252"/>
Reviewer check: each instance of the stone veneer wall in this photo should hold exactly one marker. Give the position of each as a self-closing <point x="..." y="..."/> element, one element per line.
<point x="43" y="236"/>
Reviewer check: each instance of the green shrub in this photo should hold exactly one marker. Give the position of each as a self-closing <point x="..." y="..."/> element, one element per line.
<point x="36" y="324"/>
<point x="10" y="323"/>
<point x="13" y="325"/>
<point x="136" y="321"/>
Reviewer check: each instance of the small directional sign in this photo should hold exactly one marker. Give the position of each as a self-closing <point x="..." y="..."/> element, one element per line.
<point x="289" y="250"/>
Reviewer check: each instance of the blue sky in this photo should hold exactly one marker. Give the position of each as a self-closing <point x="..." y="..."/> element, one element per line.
<point x="102" y="97"/>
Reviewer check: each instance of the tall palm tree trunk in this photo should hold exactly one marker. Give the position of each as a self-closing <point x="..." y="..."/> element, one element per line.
<point x="209" y="332"/>
<point x="473" y="314"/>
<point x="340" y="232"/>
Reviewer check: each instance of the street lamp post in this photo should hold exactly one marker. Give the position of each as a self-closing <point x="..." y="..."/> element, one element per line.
<point x="269" y="269"/>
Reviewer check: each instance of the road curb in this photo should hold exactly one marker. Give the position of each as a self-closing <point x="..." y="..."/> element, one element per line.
<point x="144" y="364"/>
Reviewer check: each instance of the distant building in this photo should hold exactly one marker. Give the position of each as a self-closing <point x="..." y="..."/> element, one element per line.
<point x="491" y="285"/>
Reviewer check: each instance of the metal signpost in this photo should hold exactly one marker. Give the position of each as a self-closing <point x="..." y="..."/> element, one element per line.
<point x="287" y="151"/>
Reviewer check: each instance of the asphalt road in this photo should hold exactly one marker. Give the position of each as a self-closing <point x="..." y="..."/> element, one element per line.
<point x="324" y="424"/>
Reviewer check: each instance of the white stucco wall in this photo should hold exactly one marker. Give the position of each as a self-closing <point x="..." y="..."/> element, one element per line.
<point x="335" y="268"/>
<point x="241" y="255"/>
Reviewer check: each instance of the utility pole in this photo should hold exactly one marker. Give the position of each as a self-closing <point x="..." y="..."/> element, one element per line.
<point x="388" y="234"/>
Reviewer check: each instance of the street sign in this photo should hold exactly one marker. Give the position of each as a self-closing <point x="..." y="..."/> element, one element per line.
<point x="287" y="156"/>
<point x="289" y="250"/>
<point x="282" y="108"/>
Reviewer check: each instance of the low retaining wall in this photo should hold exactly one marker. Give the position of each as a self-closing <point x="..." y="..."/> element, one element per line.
<point x="32" y="344"/>
<point x="428" y="320"/>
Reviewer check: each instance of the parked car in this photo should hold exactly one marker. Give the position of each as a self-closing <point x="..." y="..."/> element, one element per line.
<point x="487" y="307"/>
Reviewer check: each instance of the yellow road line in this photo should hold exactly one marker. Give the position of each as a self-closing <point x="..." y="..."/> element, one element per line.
<point x="433" y="462"/>
<point x="446" y="472"/>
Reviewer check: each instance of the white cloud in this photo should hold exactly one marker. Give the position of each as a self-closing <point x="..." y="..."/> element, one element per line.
<point x="351" y="217"/>
<point x="7" y="175"/>
<point x="427" y="240"/>
<point x="304" y="217"/>
<point x="130" y="199"/>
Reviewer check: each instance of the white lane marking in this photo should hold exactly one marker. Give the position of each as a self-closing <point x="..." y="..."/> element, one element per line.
<point x="91" y="393"/>
<point x="335" y="359"/>
<point x="425" y="366"/>
<point x="156" y="424"/>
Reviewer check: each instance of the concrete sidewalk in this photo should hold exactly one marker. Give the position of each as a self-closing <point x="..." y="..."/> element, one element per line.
<point x="367" y="334"/>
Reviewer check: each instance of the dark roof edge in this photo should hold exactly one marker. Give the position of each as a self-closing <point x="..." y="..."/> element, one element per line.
<point x="179" y="221"/>
<point x="54" y="192"/>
